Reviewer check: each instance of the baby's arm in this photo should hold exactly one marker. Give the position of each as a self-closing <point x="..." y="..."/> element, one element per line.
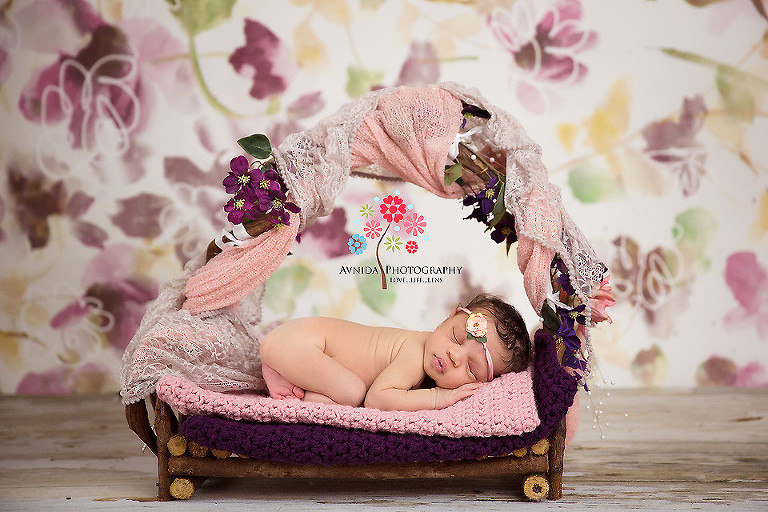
<point x="391" y="391"/>
<point x="296" y="351"/>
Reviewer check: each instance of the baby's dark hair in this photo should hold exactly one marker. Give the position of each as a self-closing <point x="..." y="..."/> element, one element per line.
<point x="511" y="328"/>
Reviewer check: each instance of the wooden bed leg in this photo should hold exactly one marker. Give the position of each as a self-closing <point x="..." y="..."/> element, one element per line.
<point x="556" y="455"/>
<point x="138" y="420"/>
<point x="164" y="431"/>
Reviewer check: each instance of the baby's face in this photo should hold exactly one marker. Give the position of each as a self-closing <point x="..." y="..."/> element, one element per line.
<point x="452" y="360"/>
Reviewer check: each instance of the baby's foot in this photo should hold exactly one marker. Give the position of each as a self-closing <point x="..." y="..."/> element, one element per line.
<point x="279" y="387"/>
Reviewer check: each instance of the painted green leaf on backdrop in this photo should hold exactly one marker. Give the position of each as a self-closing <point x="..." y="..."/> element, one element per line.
<point x="735" y="94"/>
<point x="693" y="231"/>
<point x="369" y="286"/>
<point x="284" y="285"/>
<point x="360" y="81"/>
<point x="197" y="16"/>
<point x="591" y="183"/>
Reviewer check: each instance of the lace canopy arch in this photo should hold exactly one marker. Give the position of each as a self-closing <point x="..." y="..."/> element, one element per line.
<point x="205" y="324"/>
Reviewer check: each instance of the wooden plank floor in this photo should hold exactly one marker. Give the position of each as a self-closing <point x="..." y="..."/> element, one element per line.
<point x="663" y="450"/>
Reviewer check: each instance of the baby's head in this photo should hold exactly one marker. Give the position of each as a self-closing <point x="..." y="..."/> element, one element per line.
<point x="452" y="359"/>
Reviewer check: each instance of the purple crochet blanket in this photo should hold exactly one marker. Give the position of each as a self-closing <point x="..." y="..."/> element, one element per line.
<point x="328" y="445"/>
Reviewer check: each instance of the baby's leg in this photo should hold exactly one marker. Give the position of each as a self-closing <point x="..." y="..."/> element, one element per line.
<point x="278" y="386"/>
<point x="295" y="350"/>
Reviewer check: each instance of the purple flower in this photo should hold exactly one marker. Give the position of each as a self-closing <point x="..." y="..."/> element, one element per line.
<point x="239" y="178"/>
<point x="487" y="198"/>
<point x="264" y="58"/>
<point x="674" y="144"/>
<point x="544" y="43"/>
<point x="277" y="213"/>
<point x="567" y="334"/>
<point x="237" y="206"/>
<point x="564" y="280"/>
<point x="484" y="201"/>
<point x="504" y="230"/>
<point x="574" y="362"/>
<point x="266" y="180"/>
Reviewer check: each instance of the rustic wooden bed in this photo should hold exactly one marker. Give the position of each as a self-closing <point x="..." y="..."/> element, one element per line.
<point x="534" y="457"/>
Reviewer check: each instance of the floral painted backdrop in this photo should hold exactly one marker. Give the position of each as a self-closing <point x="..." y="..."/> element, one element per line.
<point x="118" y="120"/>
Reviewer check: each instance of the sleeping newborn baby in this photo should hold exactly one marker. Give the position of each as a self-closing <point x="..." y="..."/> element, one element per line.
<point x="335" y="361"/>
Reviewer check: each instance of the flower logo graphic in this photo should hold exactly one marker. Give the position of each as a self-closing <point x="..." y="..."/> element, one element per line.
<point x="392" y="209"/>
<point x="357" y="244"/>
<point x="393" y="243"/>
<point x="389" y="224"/>
<point x="415" y="224"/>
<point x="372" y="229"/>
<point x="366" y="211"/>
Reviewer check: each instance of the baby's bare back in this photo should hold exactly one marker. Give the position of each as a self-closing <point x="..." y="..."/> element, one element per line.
<point x="363" y="349"/>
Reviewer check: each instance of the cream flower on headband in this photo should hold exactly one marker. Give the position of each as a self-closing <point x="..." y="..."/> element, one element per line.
<point x="477" y="327"/>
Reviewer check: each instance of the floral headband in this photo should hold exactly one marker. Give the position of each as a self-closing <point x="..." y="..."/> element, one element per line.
<point x="477" y="328"/>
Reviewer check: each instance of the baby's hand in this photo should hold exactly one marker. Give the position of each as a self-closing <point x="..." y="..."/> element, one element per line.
<point x="446" y="397"/>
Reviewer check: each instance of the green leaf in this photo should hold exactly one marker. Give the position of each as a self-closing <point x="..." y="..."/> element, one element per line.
<point x="197" y="16"/>
<point x="590" y="183"/>
<point x="359" y="81"/>
<point x="369" y="287"/>
<point x="551" y="322"/>
<point x="693" y="232"/>
<point x="499" y="209"/>
<point x="736" y="96"/>
<point x="284" y="285"/>
<point x="706" y="61"/>
<point x="256" y="145"/>
<point x="453" y="173"/>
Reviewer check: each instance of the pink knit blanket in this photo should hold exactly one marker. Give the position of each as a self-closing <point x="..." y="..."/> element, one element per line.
<point x="506" y="406"/>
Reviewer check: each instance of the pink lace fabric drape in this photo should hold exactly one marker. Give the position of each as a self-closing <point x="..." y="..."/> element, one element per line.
<point x="413" y="129"/>
<point x="409" y="134"/>
<point x="217" y="350"/>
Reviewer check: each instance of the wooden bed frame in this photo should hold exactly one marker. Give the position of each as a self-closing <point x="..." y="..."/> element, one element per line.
<point x="183" y="466"/>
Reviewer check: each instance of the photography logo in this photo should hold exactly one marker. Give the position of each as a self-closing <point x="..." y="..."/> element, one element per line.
<point x="392" y="224"/>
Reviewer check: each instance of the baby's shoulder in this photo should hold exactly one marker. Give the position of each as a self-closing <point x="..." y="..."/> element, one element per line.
<point x="413" y="341"/>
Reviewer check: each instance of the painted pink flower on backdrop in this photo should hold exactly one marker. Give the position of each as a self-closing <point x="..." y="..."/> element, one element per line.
<point x="421" y="67"/>
<point x="265" y="59"/>
<point x="34" y="199"/>
<point x="64" y="380"/>
<point x="748" y="281"/>
<point x="545" y="40"/>
<point x="674" y="144"/>
<point x="655" y="282"/>
<point x="95" y="92"/>
<point x="114" y="300"/>
<point x="305" y="106"/>
<point x="327" y="237"/>
<point x="722" y="371"/>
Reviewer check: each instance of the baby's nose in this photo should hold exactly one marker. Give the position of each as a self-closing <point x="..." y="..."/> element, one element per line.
<point x="457" y="357"/>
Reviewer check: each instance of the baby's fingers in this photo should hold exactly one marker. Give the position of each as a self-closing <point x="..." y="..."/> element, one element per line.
<point x="467" y="390"/>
